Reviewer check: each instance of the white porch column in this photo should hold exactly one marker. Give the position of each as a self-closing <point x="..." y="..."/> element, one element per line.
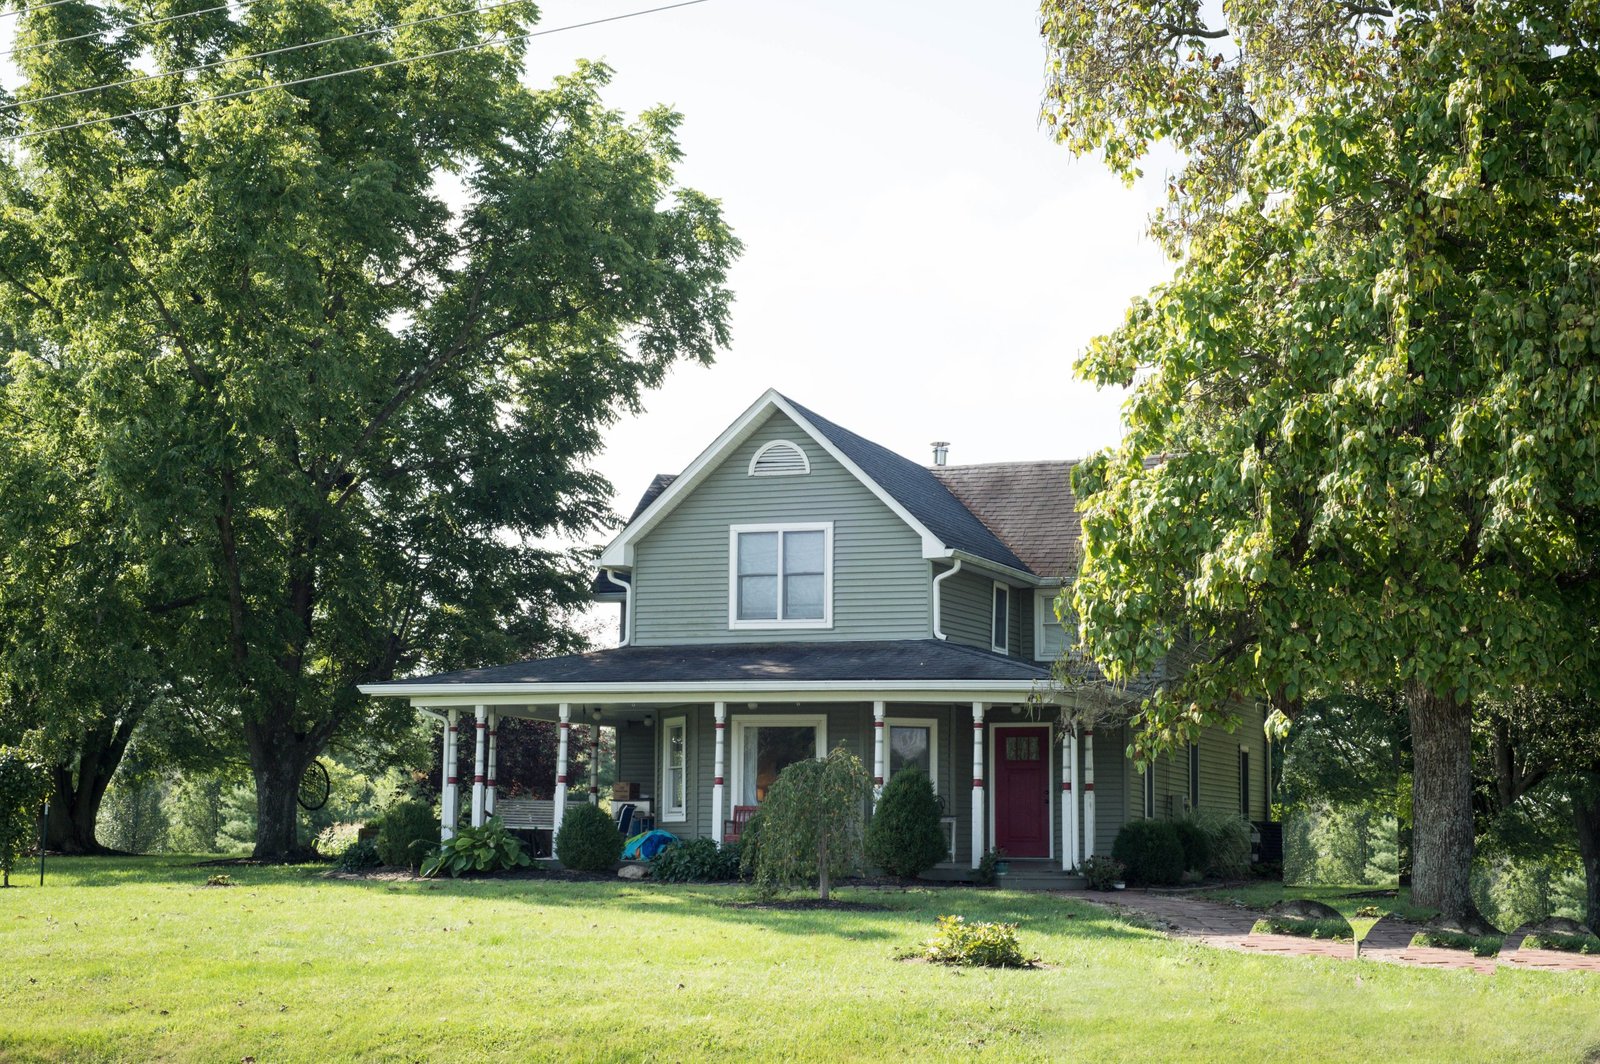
<point x="878" y="764"/>
<point x="564" y="711"/>
<point x="1069" y="795"/>
<point x="488" y="791"/>
<point x="1088" y="793"/>
<point x="978" y="847"/>
<point x="480" y="726"/>
<point x="447" y="779"/>
<point x="594" y="759"/>
<point x="719" y="711"/>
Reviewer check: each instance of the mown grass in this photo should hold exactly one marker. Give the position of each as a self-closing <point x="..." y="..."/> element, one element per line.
<point x="1477" y="945"/>
<point x="1334" y="930"/>
<point x="1558" y="940"/>
<point x="138" y="960"/>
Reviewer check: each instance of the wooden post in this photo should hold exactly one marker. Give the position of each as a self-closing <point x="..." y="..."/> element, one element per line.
<point x="488" y="792"/>
<point x="1069" y="804"/>
<point x="447" y="798"/>
<point x="594" y="759"/>
<point x="719" y="711"/>
<point x="479" y="753"/>
<point x="564" y="711"/>
<point x="977" y="784"/>
<point x="878" y="753"/>
<point x="1088" y="793"/>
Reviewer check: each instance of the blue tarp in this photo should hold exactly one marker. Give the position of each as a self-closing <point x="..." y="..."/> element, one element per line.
<point x="646" y="846"/>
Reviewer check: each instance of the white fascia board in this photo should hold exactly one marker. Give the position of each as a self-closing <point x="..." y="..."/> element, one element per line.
<point x="618" y="554"/>
<point x="996" y="570"/>
<point x="679" y="692"/>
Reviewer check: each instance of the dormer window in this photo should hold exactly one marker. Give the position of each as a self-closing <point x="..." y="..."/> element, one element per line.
<point x="780" y="458"/>
<point x="781" y="576"/>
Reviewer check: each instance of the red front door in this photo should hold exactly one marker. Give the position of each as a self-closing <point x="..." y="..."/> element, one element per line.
<point x="1022" y="791"/>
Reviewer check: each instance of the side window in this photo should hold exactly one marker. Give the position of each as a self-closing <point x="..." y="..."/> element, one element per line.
<point x="1194" y="776"/>
<point x="1000" y="634"/>
<point x="674" y="769"/>
<point x="1244" y="784"/>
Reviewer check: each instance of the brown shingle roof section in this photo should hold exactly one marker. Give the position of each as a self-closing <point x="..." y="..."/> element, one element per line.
<point x="1028" y="505"/>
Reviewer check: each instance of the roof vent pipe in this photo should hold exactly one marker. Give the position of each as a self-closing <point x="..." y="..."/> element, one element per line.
<point x="941" y="451"/>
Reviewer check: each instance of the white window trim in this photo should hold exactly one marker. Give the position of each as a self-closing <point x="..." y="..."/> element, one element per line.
<point x="670" y="813"/>
<point x="1047" y="750"/>
<point x="1004" y="647"/>
<point x="744" y="722"/>
<point x="932" y="724"/>
<point x="826" y="620"/>
<point x="805" y="459"/>
<point x="1044" y="615"/>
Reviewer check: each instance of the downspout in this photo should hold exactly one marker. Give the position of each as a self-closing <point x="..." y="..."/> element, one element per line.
<point x="938" y="612"/>
<point x="627" y="606"/>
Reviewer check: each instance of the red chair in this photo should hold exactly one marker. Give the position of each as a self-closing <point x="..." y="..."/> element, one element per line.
<point x="732" y="829"/>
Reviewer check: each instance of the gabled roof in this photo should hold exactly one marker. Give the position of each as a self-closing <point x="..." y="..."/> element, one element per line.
<point x="911" y="491"/>
<point x="1029" y="505"/>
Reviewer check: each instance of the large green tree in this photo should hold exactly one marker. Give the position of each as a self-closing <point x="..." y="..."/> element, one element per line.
<point x="340" y="350"/>
<point x="1364" y="430"/>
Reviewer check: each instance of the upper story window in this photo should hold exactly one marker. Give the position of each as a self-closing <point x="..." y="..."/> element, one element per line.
<point x="1000" y="630"/>
<point x="780" y="458"/>
<point x="1049" y="635"/>
<point x="781" y="576"/>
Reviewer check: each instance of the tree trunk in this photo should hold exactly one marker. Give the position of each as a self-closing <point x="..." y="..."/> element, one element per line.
<point x="1441" y="805"/>
<point x="278" y="760"/>
<point x="78" y="786"/>
<point x="1586" y="815"/>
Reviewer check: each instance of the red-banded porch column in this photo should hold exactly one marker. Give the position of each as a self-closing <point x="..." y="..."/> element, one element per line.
<point x="447" y="799"/>
<point x="977" y="784"/>
<point x="480" y="726"/>
<point x="878" y="764"/>
<point x="564" y="711"/>
<point x="594" y="759"/>
<point x="1069" y="807"/>
<point x="1088" y="793"/>
<point x="488" y="790"/>
<point x="719" y="711"/>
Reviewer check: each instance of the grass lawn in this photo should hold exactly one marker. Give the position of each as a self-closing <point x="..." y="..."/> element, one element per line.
<point x="136" y="960"/>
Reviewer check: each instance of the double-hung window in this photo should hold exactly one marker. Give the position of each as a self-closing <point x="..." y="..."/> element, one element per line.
<point x="1194" y="776"/>
<point x="674" y="768"/>
<point x="781" y="576"/>
<point x="1000" y="630"/>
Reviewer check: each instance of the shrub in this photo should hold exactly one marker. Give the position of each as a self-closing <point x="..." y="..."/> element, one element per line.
<point x="406" y="833"/>
<point x="1227" y="843"/>
<point x="986" y="945"/>
<point x="358" y="856"/>
<point x="1150" y="851"/>
<point x="336" y="838"/>
<point x="1101" y="872"/>
<point x="904" y="837"/>
<point x="24" y="786"/>
<point x="987" y="874"/>
<point x="1196" y="845"/>
<point x="811" y="823"/>
<point x="489" y="848"/>
<point x="697" y="861"/>
<point x="588" y="840"/>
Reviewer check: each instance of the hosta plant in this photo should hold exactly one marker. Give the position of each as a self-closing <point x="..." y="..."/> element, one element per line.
<point x="490" y="848"/>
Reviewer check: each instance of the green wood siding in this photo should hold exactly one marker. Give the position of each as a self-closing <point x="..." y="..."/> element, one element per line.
<point x="636" y="757"/>
<point x="880" y="579"/>
<point x="1219" y="772"/>
<point x="966" y="601"/>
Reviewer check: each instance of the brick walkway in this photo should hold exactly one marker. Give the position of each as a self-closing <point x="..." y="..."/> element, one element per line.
<point x="1228" y="926"/>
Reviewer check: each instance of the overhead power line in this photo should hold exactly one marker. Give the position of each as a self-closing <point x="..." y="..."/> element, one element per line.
<point x="202" y="67"/>
<point x="40" y="46"/>
<point x="38" y="7"/>
<point x="237" y="93"/>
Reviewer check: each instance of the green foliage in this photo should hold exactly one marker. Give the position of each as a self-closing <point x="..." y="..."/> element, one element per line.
<point x="219" y="881"/>
<point x="1335" y="930"/>
<point x="983" y="945"/>
<point x="1101" y="872"/>
<point x="407" y="833"/>
<point x="697" y="861"/>
<point x="988" y="871"/>
<point x="489" y="848"/>
<point x="1150" y="851"/>
<point x="195" y="812"/>
<point x="133" y="816"/>
<point x="1478" y="945"/>
<point x="588" y="840"/>
<point x="812" y="823"/>
<point x="24" y="786"/>
<point x="1196" y="843"/>
<point x="1341" y="843"/>
<point x="904" y="837"/>
<point x="1563" y="942"/>
<point x="1227" y="842"/>
<point x="359" y="856"/>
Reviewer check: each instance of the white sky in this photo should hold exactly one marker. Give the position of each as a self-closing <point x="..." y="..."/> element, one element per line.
<point x="921" y="263"/>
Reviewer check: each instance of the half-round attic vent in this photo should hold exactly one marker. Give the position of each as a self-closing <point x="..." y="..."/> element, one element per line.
<point x="780" y="458"/>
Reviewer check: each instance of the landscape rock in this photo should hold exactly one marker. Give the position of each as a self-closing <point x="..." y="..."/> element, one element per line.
<point x="1305" y="909"/>
<point x="633" y="871"/>
<point x="1476" y="926"/>
<point x="1557" y="925"/>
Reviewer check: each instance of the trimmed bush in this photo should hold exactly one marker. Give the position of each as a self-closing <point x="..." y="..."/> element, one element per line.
<point x="1101" y="872"/>
<point x="1227" y="843"/>
<point x="588" y="840"/>
<point x="1151" y="852"/>
<point x="985" y="945"/>
<point x="408" y="832"/>
<point x="697" y="861"/>
<point x="904" y="837"/>
<point x="1196" y="845"/>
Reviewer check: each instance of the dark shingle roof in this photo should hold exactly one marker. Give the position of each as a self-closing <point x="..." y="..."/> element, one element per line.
<point x="1029" y="505"/>
<point x="604" y="585"/>
<point x="919" y="491"/>
<point x="906" y="659"/>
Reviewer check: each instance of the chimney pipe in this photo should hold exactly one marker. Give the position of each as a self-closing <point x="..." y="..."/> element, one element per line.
<point x="941" y="451"/>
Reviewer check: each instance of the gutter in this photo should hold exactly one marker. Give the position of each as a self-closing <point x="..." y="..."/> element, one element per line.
<point x="627" y="605"/>
<point x="938" y="609"/>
